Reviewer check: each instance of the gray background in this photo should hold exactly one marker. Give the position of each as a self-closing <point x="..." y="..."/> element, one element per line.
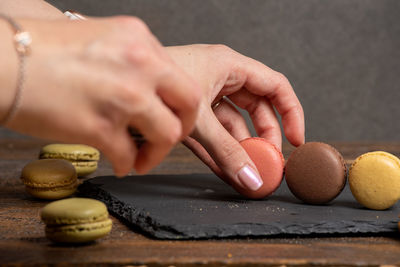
<point x="341" y="56"/>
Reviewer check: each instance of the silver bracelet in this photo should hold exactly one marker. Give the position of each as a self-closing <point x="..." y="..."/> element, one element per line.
<point x="22" y="41"/>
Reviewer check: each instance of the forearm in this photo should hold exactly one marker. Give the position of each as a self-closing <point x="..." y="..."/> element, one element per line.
<point x="29" y="9"/>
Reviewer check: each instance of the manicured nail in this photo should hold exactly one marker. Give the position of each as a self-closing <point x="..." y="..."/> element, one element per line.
<point x="250" y="178"/>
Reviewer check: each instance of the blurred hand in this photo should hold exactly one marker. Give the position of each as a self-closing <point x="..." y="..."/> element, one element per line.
<point x="89" y="81"/>
<point x="249" y="84"/>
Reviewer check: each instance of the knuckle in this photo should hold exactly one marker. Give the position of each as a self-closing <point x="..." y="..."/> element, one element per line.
<point x="173" y="135"/>
<point x="228" y="121"/>
<point x="138" y="54"/>
<point x="270" y="128"/>
<point x="135" y="48"/>
<point x="230" y="155"/>
<point x="221" y="48"/>
<point x="101" y="136"/>
<point x="294" y="109"/>
<point x="229" y="149"/>
<point x="166" y="71"/>
<point x="281" y="80"/>
<point x="194" y="99"/>
<point x="252" y="106"/>
<point x="118" y="102"/>
<point x="127" y="93"/>
<point x="100" y="142"/>
<point x="228" y="124"/>
<point x="131" y="23"/>
<point x="193" y="92"/>
<point x="88" y="129"/>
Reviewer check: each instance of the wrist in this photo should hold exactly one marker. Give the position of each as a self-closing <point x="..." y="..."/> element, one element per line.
<point x="8" y="68"/>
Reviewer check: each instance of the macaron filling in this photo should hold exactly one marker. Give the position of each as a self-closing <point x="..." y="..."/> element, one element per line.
<point x="42" y="187"/>
<point x="81" y="227"/>
<point x="83" y="157"/>
<point x="83" y="163"/>
<point x="72" y="152"/>
<point x="54" y="220"/>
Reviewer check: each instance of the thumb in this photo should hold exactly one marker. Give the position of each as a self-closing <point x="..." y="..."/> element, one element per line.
<point x="227" y="153"/>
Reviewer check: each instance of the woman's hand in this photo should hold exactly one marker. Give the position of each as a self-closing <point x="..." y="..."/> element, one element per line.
<point x="89" y="81"/>
<point x="249" y="84"/>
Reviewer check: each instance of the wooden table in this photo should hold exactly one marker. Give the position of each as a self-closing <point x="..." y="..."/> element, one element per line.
<point x="22" y="238"/>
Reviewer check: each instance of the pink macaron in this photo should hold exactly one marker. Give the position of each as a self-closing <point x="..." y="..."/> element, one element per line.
<point x="269" y="162"/>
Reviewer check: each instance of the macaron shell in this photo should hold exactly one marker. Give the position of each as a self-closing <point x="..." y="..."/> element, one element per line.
<point x="269" y="162"/>
<point x="79" y="233"/>
<point x="374" y="180"/>
<point x="74" y="211"/>
<point x="84" y="168"/>
<point x="315" y="173"/>
<point x="73" y="152"/>
<point x="48" y="173"/>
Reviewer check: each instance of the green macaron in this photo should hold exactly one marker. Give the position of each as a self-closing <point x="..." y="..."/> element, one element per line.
<point x="76" y="220"/>
<point x="83" y="157"/>
<point x="50" y="178"/>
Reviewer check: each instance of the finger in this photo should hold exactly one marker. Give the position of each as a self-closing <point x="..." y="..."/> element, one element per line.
<point x="161" y="129"/>
<point x="120" y="150"/>
<point x="203" y="155"/>
<point x="263" y="81"/>
<point x="232" y="120"/>
<point x="262" y="115"/>
<point x="226" y="151"/>
<point x="182" y="95"/>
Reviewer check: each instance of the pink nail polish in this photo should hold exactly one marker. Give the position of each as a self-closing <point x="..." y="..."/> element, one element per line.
<point x="250" y="178"/>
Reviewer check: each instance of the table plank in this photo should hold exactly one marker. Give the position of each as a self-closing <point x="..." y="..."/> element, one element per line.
<point x="22" y="238"/>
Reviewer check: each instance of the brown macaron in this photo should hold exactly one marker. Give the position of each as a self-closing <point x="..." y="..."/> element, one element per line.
<point x="315" y="173"/>
<point x="50" y="178"/>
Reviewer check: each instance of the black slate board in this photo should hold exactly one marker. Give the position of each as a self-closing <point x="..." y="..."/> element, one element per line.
<point x="201" y="206"/>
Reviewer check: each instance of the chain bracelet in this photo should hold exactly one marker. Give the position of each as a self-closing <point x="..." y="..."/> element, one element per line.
<point x="22" y="41"/>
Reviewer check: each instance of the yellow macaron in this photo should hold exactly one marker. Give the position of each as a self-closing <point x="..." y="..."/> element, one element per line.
<point x="374" y="180"/>
<point x="83" y="157"/>
<point x="76" y="220"/>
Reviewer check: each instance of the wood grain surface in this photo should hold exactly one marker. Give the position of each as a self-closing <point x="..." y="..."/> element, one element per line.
<point x="22" y="240"/>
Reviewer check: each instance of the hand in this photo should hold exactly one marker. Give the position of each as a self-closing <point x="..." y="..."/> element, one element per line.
<point x="249" y="84"/>
<point x="89" y="81"/>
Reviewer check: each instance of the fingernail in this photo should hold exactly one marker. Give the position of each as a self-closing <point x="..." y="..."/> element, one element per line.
<point x="250" y="178"/>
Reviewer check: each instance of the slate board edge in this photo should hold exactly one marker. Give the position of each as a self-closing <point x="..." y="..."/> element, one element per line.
<point x="129" y="214"/>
